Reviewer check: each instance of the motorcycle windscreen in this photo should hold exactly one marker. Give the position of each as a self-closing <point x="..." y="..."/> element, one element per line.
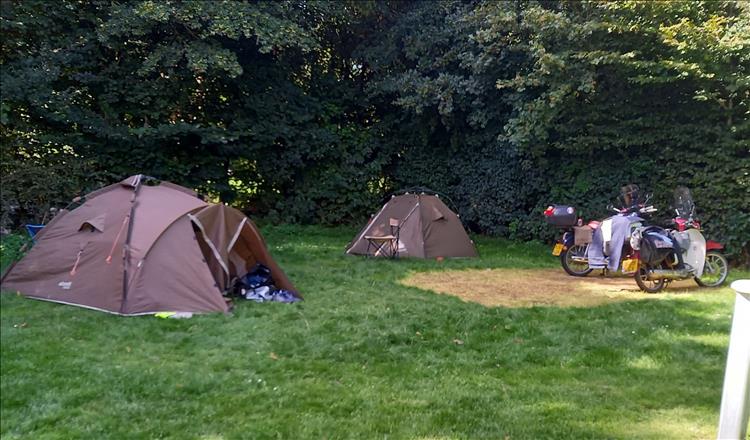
<point x="683" y="202"/>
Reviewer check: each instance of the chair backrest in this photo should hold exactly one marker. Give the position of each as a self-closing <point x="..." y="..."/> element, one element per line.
<point x="395" y="226"/>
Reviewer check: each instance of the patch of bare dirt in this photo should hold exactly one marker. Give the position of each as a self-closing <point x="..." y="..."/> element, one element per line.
<point x="526" y="288"/>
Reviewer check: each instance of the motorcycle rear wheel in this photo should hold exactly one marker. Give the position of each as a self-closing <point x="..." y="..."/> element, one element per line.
<point x="715" y="270"/>
<point x="649" y="286"/>
<point x="572" y="267"/>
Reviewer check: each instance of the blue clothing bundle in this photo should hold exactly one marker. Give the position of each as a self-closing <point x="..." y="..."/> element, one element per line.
<point x="620" y="231"/>
<point x="281" y="295"/>
<point x="257" y="285"/>
<point x="260" y="275"/>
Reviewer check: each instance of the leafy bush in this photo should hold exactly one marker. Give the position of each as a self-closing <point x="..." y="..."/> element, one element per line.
<point x="30" y="190"/>
<point x="12" y="248"/>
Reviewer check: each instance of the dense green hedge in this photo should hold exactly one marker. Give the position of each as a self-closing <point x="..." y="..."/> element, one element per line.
<point x="311" y="112"/>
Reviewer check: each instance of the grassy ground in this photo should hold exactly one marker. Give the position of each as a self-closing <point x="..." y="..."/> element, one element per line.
<point x="366" y="356"/>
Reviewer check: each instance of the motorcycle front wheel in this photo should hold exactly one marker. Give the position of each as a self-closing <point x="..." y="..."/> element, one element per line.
<point x="650" y="286"/>
<point x="573" y="260"/>
<point x="715" y="270"/>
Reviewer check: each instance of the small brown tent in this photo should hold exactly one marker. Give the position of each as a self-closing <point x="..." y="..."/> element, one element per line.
<point x="142" y="246"/>
<point x="428" y="228"/>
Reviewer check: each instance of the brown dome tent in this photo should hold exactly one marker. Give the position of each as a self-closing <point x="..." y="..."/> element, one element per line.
<point x="427" y="229"/>
<point x="142" y="246"/>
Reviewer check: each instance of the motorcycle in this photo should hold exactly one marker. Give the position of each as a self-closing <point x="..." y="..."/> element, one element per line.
<point x="573" y="247"/>
<point x="666" y="255"/>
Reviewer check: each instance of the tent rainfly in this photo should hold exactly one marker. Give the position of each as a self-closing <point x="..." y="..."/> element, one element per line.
<point x="428" y="228"/>
<point x="142" y="246"/>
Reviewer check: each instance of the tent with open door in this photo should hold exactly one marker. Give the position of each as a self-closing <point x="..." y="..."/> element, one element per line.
<point x="142" y="246"/>
<point x="427" y="228"/>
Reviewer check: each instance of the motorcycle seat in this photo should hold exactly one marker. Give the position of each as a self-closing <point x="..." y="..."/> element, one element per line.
<point x="593" y="224"/>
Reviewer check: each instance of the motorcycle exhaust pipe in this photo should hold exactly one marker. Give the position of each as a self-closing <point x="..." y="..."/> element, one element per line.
<point x="657" y="274"/>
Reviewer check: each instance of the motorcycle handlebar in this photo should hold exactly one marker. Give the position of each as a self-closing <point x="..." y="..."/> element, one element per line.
<point x="643" y="209"/>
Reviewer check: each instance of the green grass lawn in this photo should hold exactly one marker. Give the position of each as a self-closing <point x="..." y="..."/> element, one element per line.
<point x="367" y="357"/>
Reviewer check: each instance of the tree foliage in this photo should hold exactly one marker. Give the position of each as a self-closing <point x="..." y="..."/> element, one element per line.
<point x="312" y="111"/>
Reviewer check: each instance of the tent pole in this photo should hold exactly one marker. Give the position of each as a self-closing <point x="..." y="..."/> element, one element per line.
<point x="126" y="245"/>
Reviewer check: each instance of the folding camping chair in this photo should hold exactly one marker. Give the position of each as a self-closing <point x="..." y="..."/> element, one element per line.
<point x="386" y="245"/>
